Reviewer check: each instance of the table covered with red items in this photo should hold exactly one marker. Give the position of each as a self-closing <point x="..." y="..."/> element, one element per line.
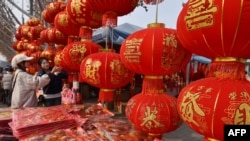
<point x="88" y="122"/>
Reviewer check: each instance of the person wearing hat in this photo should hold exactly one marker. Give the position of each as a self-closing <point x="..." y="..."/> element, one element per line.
<point x="7" y="85"/>
<point x="24" y="84"/>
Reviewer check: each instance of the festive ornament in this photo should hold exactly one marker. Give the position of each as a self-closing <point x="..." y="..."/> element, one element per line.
<point x="211" y="29"/>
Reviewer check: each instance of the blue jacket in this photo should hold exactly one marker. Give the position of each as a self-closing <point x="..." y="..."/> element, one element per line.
<point x="55" y="85"/>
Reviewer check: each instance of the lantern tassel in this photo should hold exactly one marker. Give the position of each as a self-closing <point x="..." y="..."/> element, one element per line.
<point x="106" y="95"/>
<point x="153" y="84"/>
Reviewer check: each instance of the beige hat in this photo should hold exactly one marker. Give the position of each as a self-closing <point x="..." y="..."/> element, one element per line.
<point x="18" y="59"/>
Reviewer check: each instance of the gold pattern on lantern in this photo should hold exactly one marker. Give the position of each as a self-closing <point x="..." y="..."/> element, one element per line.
<point x="190" y="106"/>
<point x="200" y="13"/>
<point x="245" y="95"/>
<point x="117" y="70"/>
<point x="77" y="53"/>
<point x="150" y="120"/>
<point x="76" y="6"/>
<point x="242" y="114"/>
<point x="92" y="70"/>
<point x="233" y="96"/>
<point x="131" y="104"/>
<point x="132" y="52"/>
<point x="63" y="20"/>
<point x="170" y="40"/>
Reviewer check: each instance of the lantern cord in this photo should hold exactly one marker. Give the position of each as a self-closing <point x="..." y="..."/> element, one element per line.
<point x="107" y="36"/>
<point x="156" y="12"/>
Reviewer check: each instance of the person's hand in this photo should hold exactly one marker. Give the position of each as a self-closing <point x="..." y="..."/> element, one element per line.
<point x="56" y="70"/>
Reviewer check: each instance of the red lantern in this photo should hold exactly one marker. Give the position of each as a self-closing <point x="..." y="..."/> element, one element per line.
<point x="49" y="53"/>
<point x="211" y="29"/>
<point x="64" y="24"/>
<point x="33" y="22"/>
<point x="106" y="71"/>
<point x="81" y="13"/>
<point x="34" y="32"/>
<point x="36" y="55"/>
<point x="112" y="8"/>
<point x="75" y="52"/>
<point x="34" y="46"/>
<point x="152" y="110"/>
<point x="51" y="10"/>
<point x="154" y="51"/>
<point x="55" y="36"/>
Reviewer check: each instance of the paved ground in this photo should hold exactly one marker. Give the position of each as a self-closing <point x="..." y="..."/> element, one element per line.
<point x="184" y="133"/>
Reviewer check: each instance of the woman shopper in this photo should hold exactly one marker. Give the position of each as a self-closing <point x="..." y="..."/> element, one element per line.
<point x="52" y="91"/>
<point x="24" y="84"/>
<point x="7" y="85"/>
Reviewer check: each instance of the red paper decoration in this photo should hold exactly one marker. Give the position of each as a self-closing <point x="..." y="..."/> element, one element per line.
<point x="154" y="51"/>
<point x="211" y="29"/>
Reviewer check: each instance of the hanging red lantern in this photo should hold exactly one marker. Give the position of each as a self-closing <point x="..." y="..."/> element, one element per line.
<point x="111" y="9"/>
<point x="34" y="32"/>
<point x="56" y="37"/>
<point x="49" y="53"/>
<point x="33" y="22"/>
<point x="80" y="12"/>
<point x="211" y="29"/>
<point x="51" y="10"/>
<point x="64" y="24"/>
<point x="152" y="110"/>
<point x="206" y="105"/>
<point x="34" y="46"/>
<point x="106" y="71"/>
<point x="154" y="51"/>
<point x="75" y="52"/>
<point x="36" y="55"/>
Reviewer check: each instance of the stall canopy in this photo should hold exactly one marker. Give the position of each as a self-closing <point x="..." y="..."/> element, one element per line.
<point x="114" y="35"/>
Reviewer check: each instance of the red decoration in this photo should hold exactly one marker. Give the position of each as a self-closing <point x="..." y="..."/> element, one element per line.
<point x="64" y="24"/>
<point x="75" y="52"/>
<point x="34" y="32"/>
<point x="154" y="51"/>
<point x="106" y="71"/>
<point x="113" y="8"/>
<point x="49" y="53"/>
<point x="152" y="110"/>
<point x="34" y="46"/>
<point x="55" y="36"/>
<point x="36" y="56"/>
<point x="33" y="22"/>
<point x="213" y="30"/>
<point x="51" y="10"/>
<point x="208" y="104"/>
<point x="82" y="14"/>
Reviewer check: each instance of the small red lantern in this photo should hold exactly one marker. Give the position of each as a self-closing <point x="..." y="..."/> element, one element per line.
<point x="49" y="53"/>
<point x="64" y="24"/>
<point x="51" y="10"/>
<point x="33" y="22"/>
<point x="36" y="56"/>
<point x="106" y="71"/>
<point x="211" y="29"/>
<point x="154" y="51"/>
<point x="55" y="36"/>
<point x="152" y="110"/>
<point x="75" y="52"/>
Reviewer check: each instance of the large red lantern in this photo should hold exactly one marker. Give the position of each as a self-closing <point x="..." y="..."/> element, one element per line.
<point x="75" y="52"/>
<point x="111" y="9"/>
<point x="152" y="110"/>
<point x="106" y="71"/>
<point x="49" y="53"/>
<point x="154" y="51"/>
<point x="211" y="29"/>
<point x="206" y="105"/>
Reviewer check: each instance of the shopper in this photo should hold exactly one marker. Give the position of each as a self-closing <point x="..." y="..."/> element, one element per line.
<point x="24" y="84"/>
<point x="7" y="85"/>
<point x="52" y="91"/>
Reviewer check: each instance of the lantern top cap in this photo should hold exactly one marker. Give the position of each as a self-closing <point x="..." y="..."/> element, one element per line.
<point x="152" y="25"/>
<point x="229" y="59"/>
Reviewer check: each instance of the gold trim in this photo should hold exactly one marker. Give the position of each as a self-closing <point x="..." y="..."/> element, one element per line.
<point x="154" y="135"/>
<point x="210" y="139"/>
<point x="107" y="90"/>
<point x="85" y="40"/>
<point x="151" y="25"/>
<point x="229" y="59"/>
<point x="153" y="77"/>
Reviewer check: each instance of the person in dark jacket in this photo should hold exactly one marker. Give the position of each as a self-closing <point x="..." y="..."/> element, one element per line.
<point x="52" y="91"/>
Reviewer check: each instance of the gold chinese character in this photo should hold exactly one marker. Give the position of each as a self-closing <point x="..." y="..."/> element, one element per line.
<point x="92" y="70"/>
<point x="150" y="120"/>
<point x="242" y="114"/>
<point x="189" y="106"/>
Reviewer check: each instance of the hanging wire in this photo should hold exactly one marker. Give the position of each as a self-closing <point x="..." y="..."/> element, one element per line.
<point x="156" y="12"/>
